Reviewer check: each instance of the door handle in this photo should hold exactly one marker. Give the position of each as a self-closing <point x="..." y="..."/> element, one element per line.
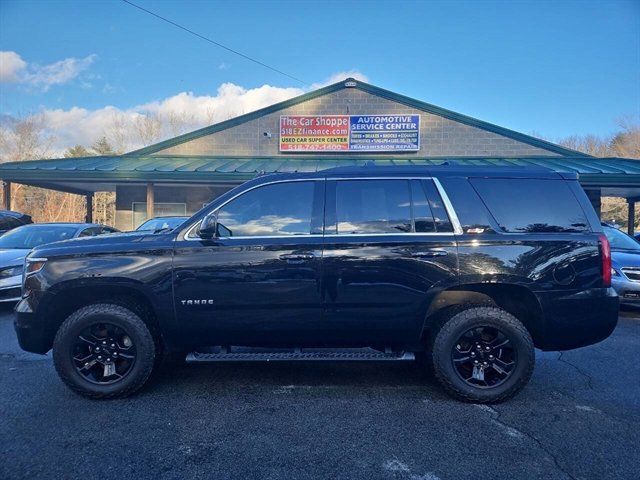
<point x="436" y="252"/>
<point x="297" y="257"/>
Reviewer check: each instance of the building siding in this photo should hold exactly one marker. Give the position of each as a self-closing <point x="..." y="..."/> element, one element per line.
<point x="439" y="136"/>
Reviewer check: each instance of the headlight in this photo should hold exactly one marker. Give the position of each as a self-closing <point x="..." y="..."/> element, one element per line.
<point x="33" y="265"/>
<point x="11" y="271"/>
<point x="614" y="273"/>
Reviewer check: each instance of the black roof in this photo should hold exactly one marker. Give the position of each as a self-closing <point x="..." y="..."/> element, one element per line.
<point x="11" y="213"/>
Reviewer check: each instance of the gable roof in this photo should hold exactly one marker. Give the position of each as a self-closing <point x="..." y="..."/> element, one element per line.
<point x="365" y="87"/>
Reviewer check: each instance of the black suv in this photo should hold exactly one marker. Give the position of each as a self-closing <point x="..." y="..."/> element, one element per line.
<point x="468" y="269"/>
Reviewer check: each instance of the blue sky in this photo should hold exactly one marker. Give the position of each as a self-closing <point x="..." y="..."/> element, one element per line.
<point x="553" y="67"/>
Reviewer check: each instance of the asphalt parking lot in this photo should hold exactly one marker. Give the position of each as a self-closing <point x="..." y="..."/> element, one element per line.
<point x="578" y="418"/>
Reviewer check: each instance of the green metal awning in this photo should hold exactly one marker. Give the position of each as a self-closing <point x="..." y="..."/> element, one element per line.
<point x="596" y="172"/>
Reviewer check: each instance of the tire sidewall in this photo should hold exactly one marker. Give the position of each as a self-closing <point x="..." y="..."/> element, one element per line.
<point x="120" y="317"/>
<point x="448" y="336"/>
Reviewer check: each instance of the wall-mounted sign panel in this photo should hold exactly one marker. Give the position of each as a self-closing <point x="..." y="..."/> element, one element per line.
<point x="314" y="133"/>
<point x="349" y="133"/>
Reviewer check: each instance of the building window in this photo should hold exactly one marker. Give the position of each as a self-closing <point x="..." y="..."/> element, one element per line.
<point x="139" y="210"/>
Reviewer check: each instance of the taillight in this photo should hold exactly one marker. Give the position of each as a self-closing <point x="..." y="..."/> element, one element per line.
<point x="605" y="255"/>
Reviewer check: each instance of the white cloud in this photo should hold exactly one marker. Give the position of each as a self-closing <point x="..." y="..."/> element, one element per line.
<point x="336" y="77"/>
<point x="164" y="118"/>
<point x="11" y="67"/>
<point x="15" y="70"/>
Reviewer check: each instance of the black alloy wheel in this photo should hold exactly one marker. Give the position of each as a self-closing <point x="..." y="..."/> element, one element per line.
<point x="484" y="357"/>
<point x="105" y="350"/>
<point x="103" y="353"/>
<point x="482" y="354"/>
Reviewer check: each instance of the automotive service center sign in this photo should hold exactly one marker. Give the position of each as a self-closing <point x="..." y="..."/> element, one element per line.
<point x="349" y="133"/>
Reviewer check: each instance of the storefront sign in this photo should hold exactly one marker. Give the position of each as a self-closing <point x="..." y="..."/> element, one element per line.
<point x="349" y="133"/>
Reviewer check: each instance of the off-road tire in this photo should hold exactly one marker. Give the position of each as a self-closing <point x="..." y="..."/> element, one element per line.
<point x="121" y="317"/>
<point x="450" y="331"/>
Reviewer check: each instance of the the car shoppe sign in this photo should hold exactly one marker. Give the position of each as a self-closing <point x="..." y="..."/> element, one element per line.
<point x="349" y="133"/>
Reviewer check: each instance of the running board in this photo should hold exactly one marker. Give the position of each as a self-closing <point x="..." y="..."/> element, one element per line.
<point x="313" y="355"/>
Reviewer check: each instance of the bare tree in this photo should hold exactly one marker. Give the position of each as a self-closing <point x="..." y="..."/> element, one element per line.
<point x="180" y="122"/>
<point x="118" y="132"/>
<point x="148" y="128"/>
<point x="626" y="143"/>
<point x="24" y="138"/>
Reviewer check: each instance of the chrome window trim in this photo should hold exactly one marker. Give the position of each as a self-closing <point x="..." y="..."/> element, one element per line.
<point x="457" y="228"/>
<point x="448" y="206"/>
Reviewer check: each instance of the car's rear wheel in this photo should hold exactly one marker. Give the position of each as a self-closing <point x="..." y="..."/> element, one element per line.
<point x="483" y="355"/>
<point x="104" y="351"/>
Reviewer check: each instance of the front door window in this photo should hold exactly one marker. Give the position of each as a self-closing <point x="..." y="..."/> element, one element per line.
<point x="279" y="209"/>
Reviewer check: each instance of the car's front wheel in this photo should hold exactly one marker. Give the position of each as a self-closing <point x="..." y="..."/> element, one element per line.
<point x="104" y="351"/>
<point x="483" y="355"/>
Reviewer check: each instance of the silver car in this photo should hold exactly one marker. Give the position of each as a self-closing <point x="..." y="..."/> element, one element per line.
<point x="17" y="243"/>
<point x="625" y="263"/>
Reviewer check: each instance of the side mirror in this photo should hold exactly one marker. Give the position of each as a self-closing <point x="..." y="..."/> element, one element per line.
<point x="208" y="226"/>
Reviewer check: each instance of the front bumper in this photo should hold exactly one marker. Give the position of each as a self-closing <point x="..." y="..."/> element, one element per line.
<point x="34" y="335"/>
<point x="10" y="289"/>
<point x="578" y="319"/>
<point x="628" y="291"/>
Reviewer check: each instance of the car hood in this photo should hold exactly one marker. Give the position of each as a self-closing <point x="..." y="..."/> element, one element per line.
<point x="115" y="242"/>
<point x="620" y="259"/>
<point x="12" y="256"/>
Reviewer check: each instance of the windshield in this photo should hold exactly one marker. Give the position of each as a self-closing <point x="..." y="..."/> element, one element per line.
<point x="161" y="223"/>
<point x="619" y="240"/>
<point x="31" y="236"/>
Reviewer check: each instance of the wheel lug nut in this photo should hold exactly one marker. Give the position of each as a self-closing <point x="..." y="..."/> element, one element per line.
<point x="473" y="354"/>
<point x="104" y="342"/>
<point x="490" y="357"/>
<point x="113" y="345"/>
<point x="485" y="363"/>
<point x="487" y="348"/>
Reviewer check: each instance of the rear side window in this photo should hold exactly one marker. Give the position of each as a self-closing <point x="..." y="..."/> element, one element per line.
<point x="422" y="214"/>
<point x="373" y="206"/>
<point x="7" y="222"/>
<point x="440" y="216"/>
<point x="531" y="205"/>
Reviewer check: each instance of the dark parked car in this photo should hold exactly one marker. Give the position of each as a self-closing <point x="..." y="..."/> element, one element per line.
<point x="160" y="224"/>
<point x="10" y="220"/>
<point x="17" y="243"/>
<point x="468" y="268"/>
<point x="625" y="265"/>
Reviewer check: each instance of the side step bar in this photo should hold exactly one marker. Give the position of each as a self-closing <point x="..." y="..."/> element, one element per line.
<point x="314" y="355"/>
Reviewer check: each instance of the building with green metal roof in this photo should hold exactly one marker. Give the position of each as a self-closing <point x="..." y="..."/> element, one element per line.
<point x="347" y="123"/>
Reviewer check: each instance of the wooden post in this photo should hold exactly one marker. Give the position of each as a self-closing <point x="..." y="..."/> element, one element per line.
<point x="6" y="196"/>
<point x="150" y="199"/>
<point x="631" y="217"/>
<point x="89" y="201"/>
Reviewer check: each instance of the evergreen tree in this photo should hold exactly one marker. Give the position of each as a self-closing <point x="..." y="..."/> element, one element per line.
<point x="77" y="151"/>
<point x="103" y="147"/>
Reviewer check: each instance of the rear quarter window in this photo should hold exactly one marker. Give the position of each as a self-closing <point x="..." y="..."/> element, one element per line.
<point x="522" y="205"/>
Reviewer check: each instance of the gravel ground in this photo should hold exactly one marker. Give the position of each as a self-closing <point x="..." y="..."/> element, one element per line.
<point x="578" y="418"/>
